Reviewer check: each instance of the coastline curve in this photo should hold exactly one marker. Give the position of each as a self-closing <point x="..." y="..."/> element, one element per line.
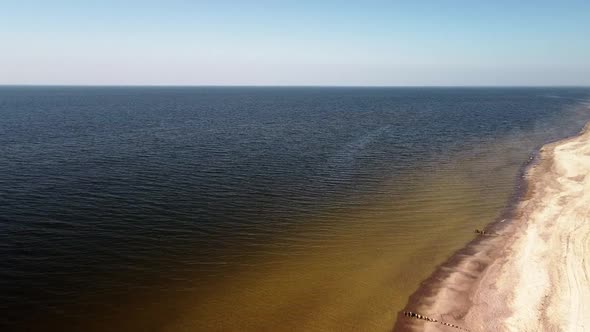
<point x="487" y="285"/>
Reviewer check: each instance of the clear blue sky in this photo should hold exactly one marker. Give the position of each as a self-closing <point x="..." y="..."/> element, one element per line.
<point x="301" y="42"/>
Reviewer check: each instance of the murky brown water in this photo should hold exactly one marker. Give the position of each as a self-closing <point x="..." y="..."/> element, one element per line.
<point x="251" y="210"/>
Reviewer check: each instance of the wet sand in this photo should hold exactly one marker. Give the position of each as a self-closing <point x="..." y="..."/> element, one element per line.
<point x="530" y="272"/>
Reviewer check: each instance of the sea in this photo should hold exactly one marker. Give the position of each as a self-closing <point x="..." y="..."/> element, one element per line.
<point x="251" y="208"/>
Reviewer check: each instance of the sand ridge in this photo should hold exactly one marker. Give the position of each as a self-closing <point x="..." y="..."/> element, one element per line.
<point x="544" y="282"/>
<point x="535" y="275"/>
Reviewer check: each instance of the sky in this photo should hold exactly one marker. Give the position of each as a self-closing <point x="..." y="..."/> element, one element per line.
<point x="349" y="43"/>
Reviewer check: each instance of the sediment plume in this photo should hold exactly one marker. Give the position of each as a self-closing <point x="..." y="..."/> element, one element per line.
<point x="534" y="273"/>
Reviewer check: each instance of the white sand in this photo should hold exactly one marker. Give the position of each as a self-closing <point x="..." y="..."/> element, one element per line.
<point x="541" y="282"/>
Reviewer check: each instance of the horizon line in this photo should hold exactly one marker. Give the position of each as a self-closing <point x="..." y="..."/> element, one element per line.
<point x="293" y="86"/>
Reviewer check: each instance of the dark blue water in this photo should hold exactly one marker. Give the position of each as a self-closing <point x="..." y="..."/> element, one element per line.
<point x="107" y="193"/>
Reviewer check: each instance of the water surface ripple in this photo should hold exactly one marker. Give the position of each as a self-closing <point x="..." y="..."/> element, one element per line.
<point x="174" y="209"/>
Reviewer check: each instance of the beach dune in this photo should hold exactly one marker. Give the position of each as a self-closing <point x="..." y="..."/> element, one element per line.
<point x="533" y="273"/>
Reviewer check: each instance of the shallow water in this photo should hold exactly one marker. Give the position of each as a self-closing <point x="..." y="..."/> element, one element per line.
<point x="250" y="208"/>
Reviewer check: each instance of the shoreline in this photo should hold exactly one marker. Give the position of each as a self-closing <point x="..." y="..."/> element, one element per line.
<point x="505" y="282"/>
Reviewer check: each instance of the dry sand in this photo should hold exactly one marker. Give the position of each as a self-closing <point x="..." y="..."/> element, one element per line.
<point x="534" y="274"/>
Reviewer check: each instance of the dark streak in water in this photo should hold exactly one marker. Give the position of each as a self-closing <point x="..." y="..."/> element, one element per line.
<point x="291" y="208"/>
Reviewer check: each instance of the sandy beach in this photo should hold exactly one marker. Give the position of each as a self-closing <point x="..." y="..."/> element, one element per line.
<point x="530" y="272"/>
